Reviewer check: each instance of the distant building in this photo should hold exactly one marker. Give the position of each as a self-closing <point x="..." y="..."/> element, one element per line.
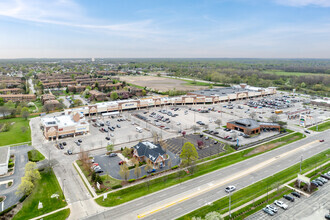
<point x="11" y="91"/>
<point x="250" y="126"/>
<point x="145" y="151"/>
<point x="52" y="104"/>
<point x="321" y="102"/>
<point x="18" y="97"/>
<point x="47" y="97"/>
<point x="97" y="95"/>
<point x="4" y="158"/>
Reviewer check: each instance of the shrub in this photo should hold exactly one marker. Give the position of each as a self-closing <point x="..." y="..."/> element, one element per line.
<point x="7" y="210"/>
<point x="117" y="186"/>
<point x="23" y="198"/>
<point x="145" y="176"/>
<point x="174" y="167"/>
<point x="10" y="165"/>
<point x="131" y="180"/>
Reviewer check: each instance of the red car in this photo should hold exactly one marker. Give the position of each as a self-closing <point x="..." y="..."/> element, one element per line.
<point x="321" y="140"/>
<point x="121" y="162"/>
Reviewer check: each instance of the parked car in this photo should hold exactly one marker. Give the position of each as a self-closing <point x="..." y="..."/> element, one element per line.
<point x="327" y="216"/>
<point x="322" y="140"/>
<point x="121" y="162"/>
<point x="272" y="208"/>
<point x="288" y="197"/>
<point x="118" y="126"/>
<point x="308" y="132"/>
<point x="296" y="194"/>
<point x="98" y="170"/>
<point x="151" y="171"/>
<point x="230" y="188"/>
<point x="325" y="176"/>
<point x="280" y="204"/>
<point x="60" y="146"/>
<point x="69" y="152"/>
<point x="107" y="138"/>
<point x="64" y="143"/>
<point x="79" y="140"/>
<point x="268" y="211"/>
<point x="112" y="155"/>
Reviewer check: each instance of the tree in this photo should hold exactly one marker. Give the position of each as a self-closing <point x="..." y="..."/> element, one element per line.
<point x="124" y="171"/>
<point x="127" y="152"/>
<point x="253" y="115"/>
<point x="189" y="154"/>
<point x="218" y="122"/>
<point x="110" y="148"/>
<point x="77" y="102"/>
<point x="25" y="113"/>
<point x="274" y="118"/>
<point x="2" y="102"/>
<point x="25" y="188"/>
<point x="30" y="166"/>
<point x="33" y="175"/>
<point x="114" y="96"/>
<point x="137" y="169"/>
<point x="169" y="163"/>
<point x="149" y="165"/>
<point x="213" y="216"/>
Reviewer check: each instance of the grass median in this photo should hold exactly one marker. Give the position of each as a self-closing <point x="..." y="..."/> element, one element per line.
<point x="321" y="127"/>
<point x="154" y="185"/>
<point x="42" y="192"/>
<point x="35" y="156"/>
<point x="259" y="188"/>
<point x="60" y="215"/>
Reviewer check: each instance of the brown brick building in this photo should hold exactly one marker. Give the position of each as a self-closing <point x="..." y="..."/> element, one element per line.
<point x="250" y="126"/>
<point x="18" y="97"/>
<point x="97" y="95"/>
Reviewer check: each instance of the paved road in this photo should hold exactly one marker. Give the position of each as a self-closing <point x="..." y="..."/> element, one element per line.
<point x="214" y="183"/>
<point x="32" y="86"/>
<point x="21" y="159"/>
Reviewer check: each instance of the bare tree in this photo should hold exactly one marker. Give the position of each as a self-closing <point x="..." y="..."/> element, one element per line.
<point x="218" y="122"/>
<point x="274" y="118"/>
<point x="163" y="144"/>
<point x="253" y="115"/>
<point x="124" y="171"/>
<point x="129" y="137"/>
<point x="169" y="163"/>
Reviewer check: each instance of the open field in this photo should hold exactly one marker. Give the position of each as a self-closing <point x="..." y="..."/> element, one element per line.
<point x="15" y="133"/>
<point x="161" y="83"/>
<point x="283" y="73"/>
<point x="42" y="192"/>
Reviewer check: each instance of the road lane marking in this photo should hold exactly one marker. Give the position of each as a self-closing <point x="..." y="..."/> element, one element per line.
<point x="228" y="180"/>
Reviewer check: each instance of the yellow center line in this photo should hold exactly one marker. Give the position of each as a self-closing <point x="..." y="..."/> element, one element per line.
<point x="223" y="182"/>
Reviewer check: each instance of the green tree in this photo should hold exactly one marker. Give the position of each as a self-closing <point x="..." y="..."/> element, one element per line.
<point x="93" y="176"/>
<point x="144" y="92"/>
<point x="33" y="175"/>
<point x="189" y="154"/>
<point x="124" y="171"/>
<point x="137" y="170"/>
<point x="25" y="113"/>
<point x="2" y="102"/>
<point x="25" y="188"/>
<point x="114" y="96"/>
<point x="30" y="166"/>
<point x="110" y="147"/>
<point x="127" y="152"/>
<point x="77" y="102"/>
<point x="213" y="216"/>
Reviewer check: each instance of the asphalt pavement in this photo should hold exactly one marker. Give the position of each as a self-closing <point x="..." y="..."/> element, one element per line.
<point x="182" y="198"/>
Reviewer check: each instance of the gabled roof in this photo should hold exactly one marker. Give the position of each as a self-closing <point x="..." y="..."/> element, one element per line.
<point x="149" y="150"/>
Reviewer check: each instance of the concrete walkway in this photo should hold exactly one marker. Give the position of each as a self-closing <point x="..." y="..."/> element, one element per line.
<point x="85" y="179"/>
<point x="50" y="213"/>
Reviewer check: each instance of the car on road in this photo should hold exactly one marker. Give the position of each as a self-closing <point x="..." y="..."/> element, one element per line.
<point x="296" y="194"/>
<point x="107" y="138"/>
<point x="281" y="204"/>
<point x="288" y="197"/>
<point x="322" y="140"/>
<point x="229" y="189"/>
<point x="272" y="208"/>
<point x="60" y="146"/>
<point x="308" y="132"/>
<point x="112" y="155"/>
<point x="64" y="143"/>
<point x="118" y="126"/>
<point x="121" y="162"/>
<point x="79" y="140"/>
<point x="69" y="152"/>
<point x="327" y="216"/>
<point x="151" y="171"/>
<point x="268" y="211"/>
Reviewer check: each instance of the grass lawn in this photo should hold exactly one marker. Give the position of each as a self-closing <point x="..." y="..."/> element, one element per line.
<point x="259" y="188"/>
<point x="42" y="192"/>
<point x="142" y="189"/>
<point x="321" y="127"/>
<point x="35" y="156"/>
<point x="108" y="181"/>
<point x="15" y="134"/>
<point x="61" y="215"/>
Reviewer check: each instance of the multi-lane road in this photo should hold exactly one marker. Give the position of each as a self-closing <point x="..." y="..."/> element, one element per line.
<point x="178" y="200"/>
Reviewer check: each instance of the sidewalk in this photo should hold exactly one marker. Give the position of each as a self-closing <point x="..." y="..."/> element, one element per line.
<point x="49" y="213"/>
<point x="85" y="179"/>
<point x="283" y="185"/>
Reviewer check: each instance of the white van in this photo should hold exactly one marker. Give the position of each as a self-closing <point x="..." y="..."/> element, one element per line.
<point x="138" y="129"/>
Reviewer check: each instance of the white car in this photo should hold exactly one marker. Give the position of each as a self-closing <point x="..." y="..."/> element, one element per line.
<point x="230" y="188"/>
<point x="178" y="123"/>
<point x="272" y="208"/>
<point x="281" y="204"/>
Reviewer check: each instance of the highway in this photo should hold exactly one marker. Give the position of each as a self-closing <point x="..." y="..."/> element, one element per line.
<point x="178" y="200"/>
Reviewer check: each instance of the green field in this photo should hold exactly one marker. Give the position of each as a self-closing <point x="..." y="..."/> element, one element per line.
<point x="259" y="188"/>
<point x="283" y="73"/>
<point x="15" y="134"/>
<point x="61" y="215"/>
<point x="42" y="192"/>
<point x="321" y="127"/>
<point x="35" y="156"/>
<point x="142" y="189"/>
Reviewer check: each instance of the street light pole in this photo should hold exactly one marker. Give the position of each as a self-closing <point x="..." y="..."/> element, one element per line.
<point x="229" y="203"/>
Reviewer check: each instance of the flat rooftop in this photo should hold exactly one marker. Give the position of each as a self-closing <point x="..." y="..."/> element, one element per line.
<point x="219" y="91"/>
<point x="3" y="155"/>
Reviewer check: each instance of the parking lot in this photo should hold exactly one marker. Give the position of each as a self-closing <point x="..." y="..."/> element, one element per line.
<point x="209" y="147"/>
<point x="314" y="207"/>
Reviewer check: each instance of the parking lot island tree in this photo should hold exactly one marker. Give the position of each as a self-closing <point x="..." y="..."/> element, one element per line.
<point x="189" y="154"/>
<point x="124" y="171"/>
<point x="110" y="147"/>
<point x="137" y="169"/>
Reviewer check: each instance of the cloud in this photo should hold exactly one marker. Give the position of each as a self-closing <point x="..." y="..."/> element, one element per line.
<point x="303" y="3"/>
<point x="69" y="13"/>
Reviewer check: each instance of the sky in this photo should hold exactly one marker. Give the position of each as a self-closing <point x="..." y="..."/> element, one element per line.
<point x="165" y="29"/>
